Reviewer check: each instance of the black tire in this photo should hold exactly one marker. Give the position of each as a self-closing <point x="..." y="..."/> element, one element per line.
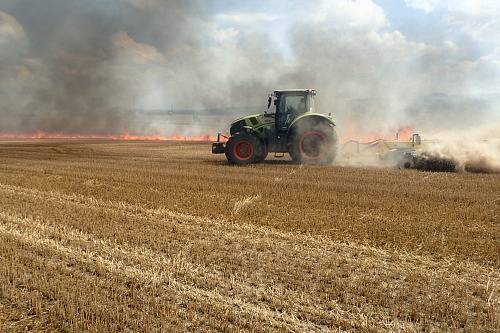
<point x="313" y="144"/>
<point x="242" y="148"/>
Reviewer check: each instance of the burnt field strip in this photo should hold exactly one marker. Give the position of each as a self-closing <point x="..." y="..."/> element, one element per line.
<point x="107" y="236"/>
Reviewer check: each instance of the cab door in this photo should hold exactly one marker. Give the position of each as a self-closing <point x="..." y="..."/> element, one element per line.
<point x="280" y="114"/>
<point x="288" y="108"/>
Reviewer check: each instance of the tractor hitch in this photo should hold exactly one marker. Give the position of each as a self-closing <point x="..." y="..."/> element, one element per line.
<point x="219" y="147"/>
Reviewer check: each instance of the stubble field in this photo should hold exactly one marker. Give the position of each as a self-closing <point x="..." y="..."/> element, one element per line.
<point x="147" y="236"/>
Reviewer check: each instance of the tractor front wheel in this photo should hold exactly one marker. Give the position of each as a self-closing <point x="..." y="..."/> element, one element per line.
<point x="242" y="148"/>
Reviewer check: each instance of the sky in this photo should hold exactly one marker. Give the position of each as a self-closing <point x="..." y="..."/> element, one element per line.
<point x="82" y="65"/>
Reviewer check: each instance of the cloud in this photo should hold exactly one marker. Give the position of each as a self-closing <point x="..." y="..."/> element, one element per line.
<point x="425" y="5"/>
<point x="349" y="15"/>
<point x="474" y="27"/>
<point x="478" y="19"/>
<point x="470" y="7"/>
<point x="246" y="18"/>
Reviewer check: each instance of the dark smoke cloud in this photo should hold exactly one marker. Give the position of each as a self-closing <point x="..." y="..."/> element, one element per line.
<point x="61" y="73"/>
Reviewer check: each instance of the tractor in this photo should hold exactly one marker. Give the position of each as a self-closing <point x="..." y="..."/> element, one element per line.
<point x="294" y="128"/>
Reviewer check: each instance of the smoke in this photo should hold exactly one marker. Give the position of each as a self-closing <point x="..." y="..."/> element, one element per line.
<point x="83" y="66"/>
<point x="380" y="80"/>
<point x="72" y="66"/>
<point x="476" y="150"/>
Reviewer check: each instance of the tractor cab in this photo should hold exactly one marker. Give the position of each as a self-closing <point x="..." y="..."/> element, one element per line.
<point x="290" y="104"/>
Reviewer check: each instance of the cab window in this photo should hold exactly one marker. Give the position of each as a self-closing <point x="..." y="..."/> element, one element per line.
<point x="290" y="107"/>
<point x="293" y="104"/>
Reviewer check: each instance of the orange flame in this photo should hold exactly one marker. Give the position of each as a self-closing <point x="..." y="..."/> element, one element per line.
<point x="121" y="136"/>
<point x="352" y="132"/>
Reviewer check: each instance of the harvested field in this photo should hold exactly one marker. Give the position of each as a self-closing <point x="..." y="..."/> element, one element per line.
<point x="148" y="236"/>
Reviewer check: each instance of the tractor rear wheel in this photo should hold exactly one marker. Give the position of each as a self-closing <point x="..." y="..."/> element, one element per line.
<point x="313" y="144"/>
<point x="242" y="148"/>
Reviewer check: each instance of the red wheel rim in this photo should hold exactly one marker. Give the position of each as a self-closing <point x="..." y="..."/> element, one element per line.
<point x="243" y="150"/>
<point x="311" y="145"/>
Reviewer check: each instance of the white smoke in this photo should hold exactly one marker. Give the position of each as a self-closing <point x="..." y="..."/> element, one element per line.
<point x="475" y="150"/>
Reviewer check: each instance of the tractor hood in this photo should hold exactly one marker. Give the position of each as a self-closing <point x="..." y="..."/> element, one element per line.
<point x="245" y="118"/>
<point x="255" y="119"/>
<point x="252" y="121"/>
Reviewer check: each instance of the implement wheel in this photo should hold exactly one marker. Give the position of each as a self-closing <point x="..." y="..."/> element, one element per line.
<point x="242" y="148"/>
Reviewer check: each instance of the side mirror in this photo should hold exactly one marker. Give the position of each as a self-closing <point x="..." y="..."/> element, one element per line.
<point x="269" y="102"/>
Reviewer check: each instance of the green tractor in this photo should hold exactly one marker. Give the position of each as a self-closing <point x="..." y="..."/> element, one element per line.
<point x="293" y="128"/>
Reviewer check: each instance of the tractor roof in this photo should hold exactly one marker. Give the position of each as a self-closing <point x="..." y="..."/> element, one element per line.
<point x="284" y="91"/>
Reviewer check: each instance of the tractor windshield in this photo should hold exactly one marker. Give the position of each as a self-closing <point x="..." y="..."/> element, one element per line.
<point x="294" y="104"/>
<point x="291" y="106"/>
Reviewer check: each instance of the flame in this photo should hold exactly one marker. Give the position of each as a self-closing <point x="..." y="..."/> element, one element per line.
<point x="351" y="132"/>
<point x="405" y="133"/>
<point x="121" y="136"/>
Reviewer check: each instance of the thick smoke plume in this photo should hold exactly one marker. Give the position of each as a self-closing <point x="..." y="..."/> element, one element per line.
<point x="83" y="66"/>
<point x="476" y="150"/>
<point x="73" y="66"/>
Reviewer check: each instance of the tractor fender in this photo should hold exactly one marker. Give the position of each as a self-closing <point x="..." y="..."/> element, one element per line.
<point x="310" y="118"/>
